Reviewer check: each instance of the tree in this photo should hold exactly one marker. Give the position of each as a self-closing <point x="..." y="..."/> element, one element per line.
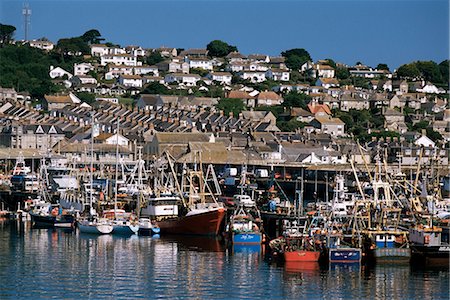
<point x="430" y="71"/>
<point x="291" y="125"/>
<point x="331" y="63"/>
<point x="154" y="58"/>
<point x="86" y="97"/>
<point x="6" y="33"/>
<point x="296" y="99"/>
<point x="92" y="36"/>
<point x="218" y="48"/>
<point x="408" y="71"/>
<point x="383" y="67"/>
<point x="231" y="105"/>
<point x="295" y="58"/>
<point x="72" y="46"/>
<point x="342" y="73"/>
<point x="443" y="67"/>
<point x="156" y="88"/>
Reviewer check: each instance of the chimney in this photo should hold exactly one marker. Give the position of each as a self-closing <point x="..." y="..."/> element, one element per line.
<point x="230" y="114"/>
<point x="424" y="132"/>
<point x="221" y="113"/>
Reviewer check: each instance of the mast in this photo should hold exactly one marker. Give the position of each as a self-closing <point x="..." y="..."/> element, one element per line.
<point x="91" y="178"/>
<point x="117" y="168"/>
<point x="140" y="162"/>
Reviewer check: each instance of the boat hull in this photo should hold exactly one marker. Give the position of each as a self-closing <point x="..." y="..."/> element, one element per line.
<point x="345" y="255"/>
<point x="301" y="256"/>
<point x="392" y="254"/>
<point x="247" y="238"/>
<point x="95" y="229"/>
<point x="64" y="221"/>
<point x="441" y="253"/>
<point x="207" y="223"/>
<point x="125" y="229"/>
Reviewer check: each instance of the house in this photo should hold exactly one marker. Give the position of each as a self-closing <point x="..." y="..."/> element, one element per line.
<point x="33" y="136"/>
<point x="268" y="98"/>
<point x="430" y="88"/>
<point x="222" y="77"/>
<point x="244" y="96"/>
<point x="166" y="51"/>
<point x="58" y="72"/>
<point x="8" y="94"/>
<point x="424" y="141"/>
<point x="235" y="56"/>
<point x="261" y="58"/>
<point x="82" y="68"/>
<point x="143" y="70"/>
<point x="253" y="76"/>
<point x="186" y="79"/>
<point x="324" y="71"/>
<point x="396" y="101"/>
<point x="199" y="63"/>
<point x="319" y="109"/>
<point x="131" y="81"/>
<point x="114" y="71"/>
<point x="306" y="66"/>
<point x="111" y="139"/>
<point x="173" y="66"/>
<point x="176" y="143"/>
<point x="329" y="125"/>
<point x="99" y="50"/>
<point x="42" y="44"/>
<point x="149" y="102"/>
<point x="301" y="115"/>
<point x="78" y="80"/>
<point x="118" y="59"/>
<point x="51" y="102"/>
<point x="327" y="82"/>
<point x="203" y="53"/>
<point x="278" y="74"/>
<point x="366" y="72"/>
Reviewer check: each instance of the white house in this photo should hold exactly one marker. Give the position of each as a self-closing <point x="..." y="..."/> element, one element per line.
<point x="99" y="49"/>
<point x="119" y="59"/>
<point x="200" y="63"/>
<point x="222" y="77"/>
<point x="278" y="74"/>
<point x="254" y="76"/>
<point x="44" y="45"/>
<point x="425" y="142"/>
<point x="324" y="71"/>
<point x="82" y="68"/>
<point x="186" y="79"/>
<point x="131" y="80"/>
<point x="142" y="70"/>
<point x="58" y="72"/>
<point x="112" y="139"/>
<point x="430" y="88"/>
<point x="115" y="70"/>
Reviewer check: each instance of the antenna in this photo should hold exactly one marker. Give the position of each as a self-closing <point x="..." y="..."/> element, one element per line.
<point x="26" y="12"/>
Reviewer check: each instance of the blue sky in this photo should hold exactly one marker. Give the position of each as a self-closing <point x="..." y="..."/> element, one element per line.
<point x="393" y="32"/>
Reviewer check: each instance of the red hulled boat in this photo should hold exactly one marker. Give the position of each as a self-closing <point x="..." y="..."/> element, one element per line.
<point x="198" y="222"/>
<point x="300" y="249"/>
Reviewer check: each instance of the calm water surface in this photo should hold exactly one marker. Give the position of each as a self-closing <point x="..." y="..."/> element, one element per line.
<point x="43" y="263"/>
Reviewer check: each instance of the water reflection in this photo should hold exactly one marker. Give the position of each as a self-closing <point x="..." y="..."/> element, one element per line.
<point x="47" y="263"/>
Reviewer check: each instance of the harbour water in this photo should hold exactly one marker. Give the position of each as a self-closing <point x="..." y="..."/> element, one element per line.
<point x="54" y="263"/>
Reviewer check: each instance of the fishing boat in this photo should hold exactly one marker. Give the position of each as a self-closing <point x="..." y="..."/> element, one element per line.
<point x="198" y="211"/>
<point x="301" y="249"/>
<point x="430" y="243"/>
<point x="51" y="216"/>
<point x="245" y="223"/>
<point x="338" y="253"/>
